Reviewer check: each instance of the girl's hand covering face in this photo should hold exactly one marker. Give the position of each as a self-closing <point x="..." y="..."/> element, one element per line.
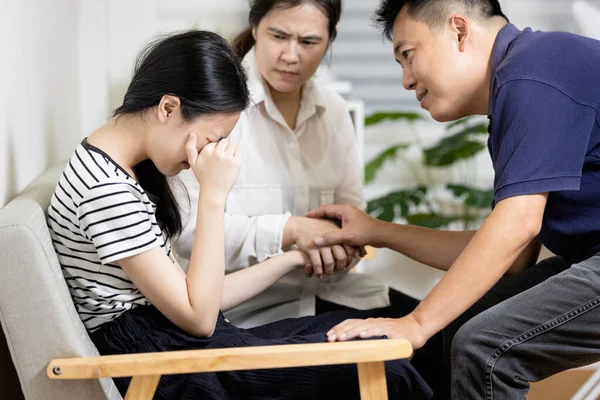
<point x="216" y="166"/>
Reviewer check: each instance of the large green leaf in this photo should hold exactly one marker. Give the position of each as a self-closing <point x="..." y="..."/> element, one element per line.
<point x="473" y="197"/>
<point x="386" y="213"/>
<point x="430" y="220"/>
<point x="403" y="200"/>
<point x="458" y="146"/>
<point x="474" y="129"/>
<point x="447" y="153"/>
<point x="464" y="135"/>
<point x="376" y="163"/>
<point x="393" y="116"/>
<point x="462" y="121"/>
<point x="457" y="123"/>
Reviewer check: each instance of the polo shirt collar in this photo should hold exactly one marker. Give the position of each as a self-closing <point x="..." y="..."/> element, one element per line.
<point x="506" y="35"/>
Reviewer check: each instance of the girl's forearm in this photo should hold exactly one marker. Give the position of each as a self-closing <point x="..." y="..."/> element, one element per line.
<point x="242" y="285"/>
<point x="207" y="264"/>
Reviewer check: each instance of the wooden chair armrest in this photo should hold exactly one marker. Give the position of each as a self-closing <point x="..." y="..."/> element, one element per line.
<point x="229" y="359"/>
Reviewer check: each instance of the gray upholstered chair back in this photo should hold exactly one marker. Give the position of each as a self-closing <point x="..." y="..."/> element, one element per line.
<point x="36" y="311"/>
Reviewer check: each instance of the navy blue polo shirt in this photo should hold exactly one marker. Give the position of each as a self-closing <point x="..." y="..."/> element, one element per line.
<point x="545" y="132"/>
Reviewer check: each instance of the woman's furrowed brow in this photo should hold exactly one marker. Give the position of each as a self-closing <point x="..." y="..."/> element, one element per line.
<point x="285" y="34"/>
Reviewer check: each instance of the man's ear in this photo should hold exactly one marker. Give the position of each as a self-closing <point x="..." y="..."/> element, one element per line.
<point x="460" y="27"/>
<point x="167" y="106"/>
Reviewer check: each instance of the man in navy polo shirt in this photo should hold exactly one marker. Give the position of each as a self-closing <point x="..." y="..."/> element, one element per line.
<point x="512" y="321"/>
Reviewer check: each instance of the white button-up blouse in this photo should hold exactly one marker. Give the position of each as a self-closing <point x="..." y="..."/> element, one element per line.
<point x="287" y="172"/>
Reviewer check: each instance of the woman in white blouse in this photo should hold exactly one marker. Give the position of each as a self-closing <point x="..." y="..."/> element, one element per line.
<point x="300" y="152"/>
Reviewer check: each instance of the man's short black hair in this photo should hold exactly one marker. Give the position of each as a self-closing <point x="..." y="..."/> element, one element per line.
<point x="433" y="12"/>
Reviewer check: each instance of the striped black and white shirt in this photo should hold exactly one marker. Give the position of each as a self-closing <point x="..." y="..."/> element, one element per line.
<point x="97" y="216"/>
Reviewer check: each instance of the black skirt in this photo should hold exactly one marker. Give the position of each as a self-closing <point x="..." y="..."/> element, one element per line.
<point x="145" y="329"/>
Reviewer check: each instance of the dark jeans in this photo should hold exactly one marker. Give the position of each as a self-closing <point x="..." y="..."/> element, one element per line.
<point x="526" y="328"/>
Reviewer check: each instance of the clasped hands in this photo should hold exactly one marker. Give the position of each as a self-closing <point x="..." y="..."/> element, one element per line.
<point x="323" y="260"/>
<point x="356" y="229"/>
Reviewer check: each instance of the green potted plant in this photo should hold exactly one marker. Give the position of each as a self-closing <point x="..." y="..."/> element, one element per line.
<point x="420" y="205"/>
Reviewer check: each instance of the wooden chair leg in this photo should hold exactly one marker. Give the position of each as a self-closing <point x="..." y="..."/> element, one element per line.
<point x="142" y="387"/>
<point x="371" y="378"/>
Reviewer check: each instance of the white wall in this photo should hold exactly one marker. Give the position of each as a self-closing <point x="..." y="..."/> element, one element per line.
<point x="39" y="75"/>
<point x="111" y="33"/>
<point x="114" y="31"/>
<point x="66" y="64"/>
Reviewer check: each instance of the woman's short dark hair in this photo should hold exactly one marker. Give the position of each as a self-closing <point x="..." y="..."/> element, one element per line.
<point x="433" y="12"/>
<point x="202" y="70"/>
<point x="259" y="8"/>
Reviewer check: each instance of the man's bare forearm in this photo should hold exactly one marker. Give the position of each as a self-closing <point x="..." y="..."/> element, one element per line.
<point x="438" y="249"/>
<point x="527" y="258"/>
<point x="503" y="237"/>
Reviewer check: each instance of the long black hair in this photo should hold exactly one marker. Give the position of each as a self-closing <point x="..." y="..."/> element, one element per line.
<point x="202" y="70"/>
<point x="259" y="8"/>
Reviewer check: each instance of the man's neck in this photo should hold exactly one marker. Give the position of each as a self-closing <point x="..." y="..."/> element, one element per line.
<point x="481" y="101"/>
